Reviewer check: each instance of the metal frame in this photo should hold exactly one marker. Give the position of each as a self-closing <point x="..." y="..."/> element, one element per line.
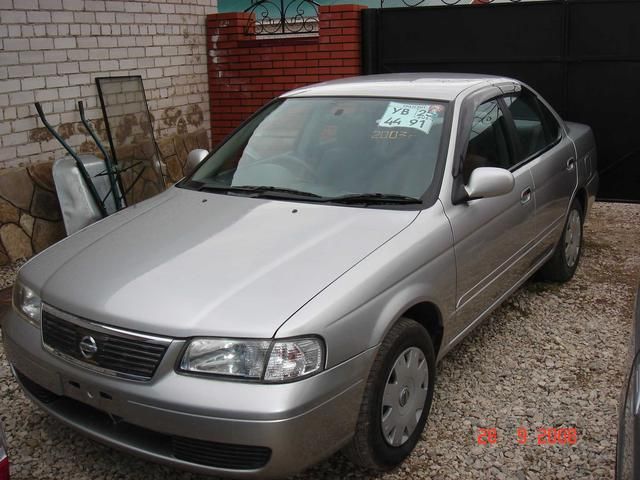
<point x="113" y="179"/>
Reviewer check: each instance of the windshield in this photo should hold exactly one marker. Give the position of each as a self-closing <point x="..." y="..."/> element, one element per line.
<point x="330" y="147"/>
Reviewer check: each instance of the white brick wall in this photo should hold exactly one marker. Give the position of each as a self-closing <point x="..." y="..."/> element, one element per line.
<point x="52" y="50"/>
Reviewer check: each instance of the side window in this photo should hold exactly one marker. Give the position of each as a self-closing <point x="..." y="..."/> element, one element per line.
<point x="528" y="123"/>
<point x="488" y="145"/>
<point x="536" y="127"/>
<point x="551" y="126"/>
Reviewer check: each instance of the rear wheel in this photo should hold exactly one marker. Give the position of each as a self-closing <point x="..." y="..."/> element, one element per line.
<point x="564" y="262"/>
<point x="397" y="398"/>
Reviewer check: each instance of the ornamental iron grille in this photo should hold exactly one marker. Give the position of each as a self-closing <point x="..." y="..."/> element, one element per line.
<point x="284" y="17"/>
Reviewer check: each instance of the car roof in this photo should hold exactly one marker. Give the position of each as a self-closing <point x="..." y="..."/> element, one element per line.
<point x="434" y="86"/>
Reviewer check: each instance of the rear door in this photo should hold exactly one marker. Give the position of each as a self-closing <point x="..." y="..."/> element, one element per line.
<point x="550" y="154"/>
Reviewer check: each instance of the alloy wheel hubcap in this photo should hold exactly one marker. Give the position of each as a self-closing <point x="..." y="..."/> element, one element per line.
<point x="572" y="238"/>
<point x="404" y="396"/>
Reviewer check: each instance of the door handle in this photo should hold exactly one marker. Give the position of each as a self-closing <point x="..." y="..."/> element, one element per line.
<point x="571" y="164"/>
<point x="525" y="196"/>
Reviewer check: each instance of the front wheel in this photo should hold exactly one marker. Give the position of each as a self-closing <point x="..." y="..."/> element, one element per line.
<point x="564" y="262"/>
<point x="397" y="398"/>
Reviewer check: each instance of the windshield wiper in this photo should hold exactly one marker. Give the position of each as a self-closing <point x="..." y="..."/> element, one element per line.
<point x="265" y="191"/>
<point x="269" y="189"/>
<point x="368" y="198"/>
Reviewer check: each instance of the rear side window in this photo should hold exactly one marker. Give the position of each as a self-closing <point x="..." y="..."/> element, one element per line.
<point x="535" y="126"/>
<point x="488" y="145"/>
<point x="551" y="126"/>
<point x="528" y="124"/>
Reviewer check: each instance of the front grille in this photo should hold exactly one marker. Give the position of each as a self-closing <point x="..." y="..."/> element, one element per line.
<point x="220" y="455"/>
<point x="128" y="355"/>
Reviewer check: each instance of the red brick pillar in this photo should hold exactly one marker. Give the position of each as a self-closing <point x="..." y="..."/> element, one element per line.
<point x="340" y="37"/>
<point x="246" y="71"/>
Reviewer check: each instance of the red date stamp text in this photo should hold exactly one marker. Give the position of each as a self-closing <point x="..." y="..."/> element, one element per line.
<point x="542" y="436"/>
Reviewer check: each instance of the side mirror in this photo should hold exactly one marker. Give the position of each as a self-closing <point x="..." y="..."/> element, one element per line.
<point x="489" y="182"/>
<point x="193" y="159"/>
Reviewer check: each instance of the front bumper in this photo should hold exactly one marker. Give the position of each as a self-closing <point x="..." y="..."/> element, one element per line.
<point x="278" y="429"/>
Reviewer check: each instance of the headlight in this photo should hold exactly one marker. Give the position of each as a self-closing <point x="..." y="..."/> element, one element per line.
<point x="27" y="303"/>
<point x="271" y="361"/>
<point x="237" y="358"/>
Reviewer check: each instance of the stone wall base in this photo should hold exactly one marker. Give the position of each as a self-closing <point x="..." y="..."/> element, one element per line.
<point x="30" y="217"/>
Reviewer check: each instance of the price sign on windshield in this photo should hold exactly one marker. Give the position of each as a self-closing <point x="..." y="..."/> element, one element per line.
<point x="408" y="115"/>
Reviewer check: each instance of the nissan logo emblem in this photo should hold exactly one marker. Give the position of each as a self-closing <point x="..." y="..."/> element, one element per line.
<point x="88" y="346"/>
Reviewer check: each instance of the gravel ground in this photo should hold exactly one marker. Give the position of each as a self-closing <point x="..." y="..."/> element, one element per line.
<point x="552" y="356"/>
<point x="8" y="274"/>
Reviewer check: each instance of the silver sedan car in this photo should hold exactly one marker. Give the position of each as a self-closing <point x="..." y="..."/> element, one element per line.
<point x="628" y="444"/>
<point x="4" y="456"/>
<point x="292" y="295"/>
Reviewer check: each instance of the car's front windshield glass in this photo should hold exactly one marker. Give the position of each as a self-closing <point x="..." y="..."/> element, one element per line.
<point x="326" y="148"/>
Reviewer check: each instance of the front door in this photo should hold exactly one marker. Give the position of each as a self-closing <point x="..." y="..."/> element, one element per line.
<point x="492" y="236"/>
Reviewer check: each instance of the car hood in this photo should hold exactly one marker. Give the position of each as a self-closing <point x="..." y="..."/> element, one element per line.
<point x="189" y="263"/>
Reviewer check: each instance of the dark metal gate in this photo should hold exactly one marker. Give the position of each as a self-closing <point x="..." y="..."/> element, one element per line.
<point x="583" y="56"/>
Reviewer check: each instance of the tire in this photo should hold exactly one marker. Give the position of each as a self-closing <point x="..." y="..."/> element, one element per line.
<point x="564" y="262"/>
<point x="373" y="446"/>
